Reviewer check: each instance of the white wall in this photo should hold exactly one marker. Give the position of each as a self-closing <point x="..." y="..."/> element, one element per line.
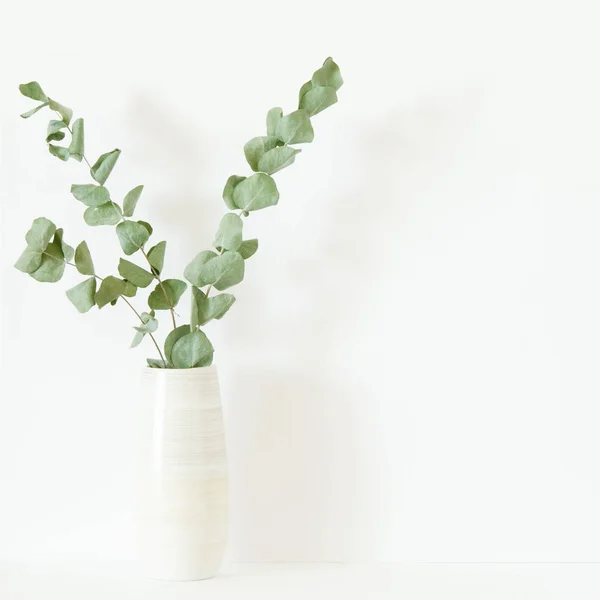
<point x="411" y="369"/>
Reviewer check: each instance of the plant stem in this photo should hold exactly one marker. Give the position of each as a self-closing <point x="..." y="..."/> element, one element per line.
<point x="162" y="287"/>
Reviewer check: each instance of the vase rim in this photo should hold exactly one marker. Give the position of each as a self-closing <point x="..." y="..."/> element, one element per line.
<point x="212" y="367"/>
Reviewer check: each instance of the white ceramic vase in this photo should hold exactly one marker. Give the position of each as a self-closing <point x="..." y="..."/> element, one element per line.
<point x="182" y="509"/>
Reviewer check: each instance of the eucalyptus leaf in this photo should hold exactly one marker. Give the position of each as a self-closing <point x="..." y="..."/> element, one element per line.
<point x="32" y="112"/>
<point x="273" y="118"/>
<point x="248" y="248"/>
<point x="53" y="265"/>
<point x="67" y="250"/>
<point x="193" y="270"/>
<point x="150" y="326"/>
<point x="29" y="260"/>
<point x="156" y="363"/>
<point x="156" y="256"/>
<point x="328" y="75"/>
<point x="131" y="200"/>
<point x="34" y="91"/>
<point x="173" y="337"/>
<point x="104" y="165"/>
<point x="231" y="184"/>
<point x="137" y="339"/>
<point x="223" y="271"/>
<point x="192" y="350"/>
<point x="110" y="289"/>
<point x="65" y="113"/>
<point x="138" y="276"/>
<point x="276" y="159"/>
<point x="91" y="194"/>
<point x="83" y="259"/>
<point x="256" y="192"/>
<point x="295" y="128"/>
<point x="54" y="132"/>
<point x="130" y="290"/>
<point x="105" y="214"/>
<point x="76" y="147"/>
<point x="147" y="226"/>
<point x="305" y="88"/>
<point x="83" y="295"/>
<point x="166" y="294"/>
<point x="59" y="151"/>
<point x="39" y="235"/>
<point x="256" y="147"/>
<point x="132" y="236"/>
<point x="229" y="234"/>
<point x="208" y="308"/>
<point x="318" y="99"/>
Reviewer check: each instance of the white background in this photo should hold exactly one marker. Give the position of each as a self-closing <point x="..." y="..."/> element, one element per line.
<point x="411" y="369"/>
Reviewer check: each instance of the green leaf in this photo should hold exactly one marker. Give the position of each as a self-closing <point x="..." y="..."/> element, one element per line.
<point x="137" y="339"/>
<point x="39" y="235"/>
<point x="83" y="259"/>
<point x="256" y="147"/>
<point x="82" y="295"/>
<point x="192" y="350"/>
<point x="66" y="249"/>
<point x="105" y="214"/>
<point x="138" y="276"/>
<point x="110" y="289"/>
<point x="173" y="337"/>
<point x="76" y="147"/>
<point x="29" y="260"/>
<point x="59" y="151"/>
<point x="150" y="326"/>
<point x="32" y="112"/>
<point x="318" y="99"/>
<point x="54" y="133"/>
<point x="204" y="308"/>
<point x="34" y="91"/>
<point x="229" y="235"/>
<point x="132" y="236"/>
<point x="248" y="248"/>
<point x="91" y="194"/>
<point x="223" y="271"/>
<point x="156" y="256"/>
<point x="231" y="184"/>
<point x="156" y="363"/>
<point x="193" y="270"/>
<point x="63" y="111"/>
<point x="167" y="295"/>
<point x="295" y="128"/>
<point x="147" y="226"/>
<point x="277" y="158"/>
<point x="273" y="118"/>
<point x="131" y="199"/>
<point x="104" y="165"/>
<point x="256" y="192"/>
<point x="305" y="88"/>
<point x="53" y="265"/>
<point x="328" y="75"/>
<point x="130" y="289"/>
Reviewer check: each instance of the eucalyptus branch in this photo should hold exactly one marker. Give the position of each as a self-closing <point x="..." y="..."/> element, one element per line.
<point x="186" y="346"/>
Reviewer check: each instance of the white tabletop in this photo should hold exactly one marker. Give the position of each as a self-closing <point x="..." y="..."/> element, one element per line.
<point x="291" y="581"/>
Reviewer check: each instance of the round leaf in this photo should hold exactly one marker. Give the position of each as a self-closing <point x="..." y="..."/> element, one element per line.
<point x="29" y="260"/>
<point x="273" y="118"/>
<point x="104" y="165"/>
<point x="132" y="236"/>
<point x="63" y="111"/>
<point x="105" y="214"/>
<point x="66" y="249"/>
<point x="192" y="350"/>
<point x="90" y="194"/>
<point x="54" y="132"/>
<point x="33" y="90"/>
<point x="295" y="128"/>
<point x="256" y="147"/>
<point x="138" y="276"/>
<point x="318" y="99"/>
<point x="231" y="184"/>
<point x="167" y="295"/>
<point x="131" y="200"/>
<point x="110" y="289"/>
<point x="328" y="75"/>
<point x="211" y="307"/>
<point x="193" y="270"/>
<point x="277" y="159"/>
<point x="248" y="248"/>
<point x="256" y="192"/>
<point x="223" y="271"/>
<point x="229" y="235"/>
<point x="39" y="235"/>
<point x="171" y="339"/>
<point x="53" y="265"/>
<point x="156" y="256"/>
<point x="59" y="152"/>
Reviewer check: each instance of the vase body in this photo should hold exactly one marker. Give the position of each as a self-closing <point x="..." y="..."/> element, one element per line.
<point x="182" y="504"/>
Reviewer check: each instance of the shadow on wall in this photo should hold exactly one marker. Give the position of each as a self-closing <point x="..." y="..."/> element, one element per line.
<point x="300" y="430"/>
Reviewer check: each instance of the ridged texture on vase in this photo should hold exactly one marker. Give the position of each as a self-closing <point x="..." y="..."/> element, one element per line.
<point x="183" y="487"/>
